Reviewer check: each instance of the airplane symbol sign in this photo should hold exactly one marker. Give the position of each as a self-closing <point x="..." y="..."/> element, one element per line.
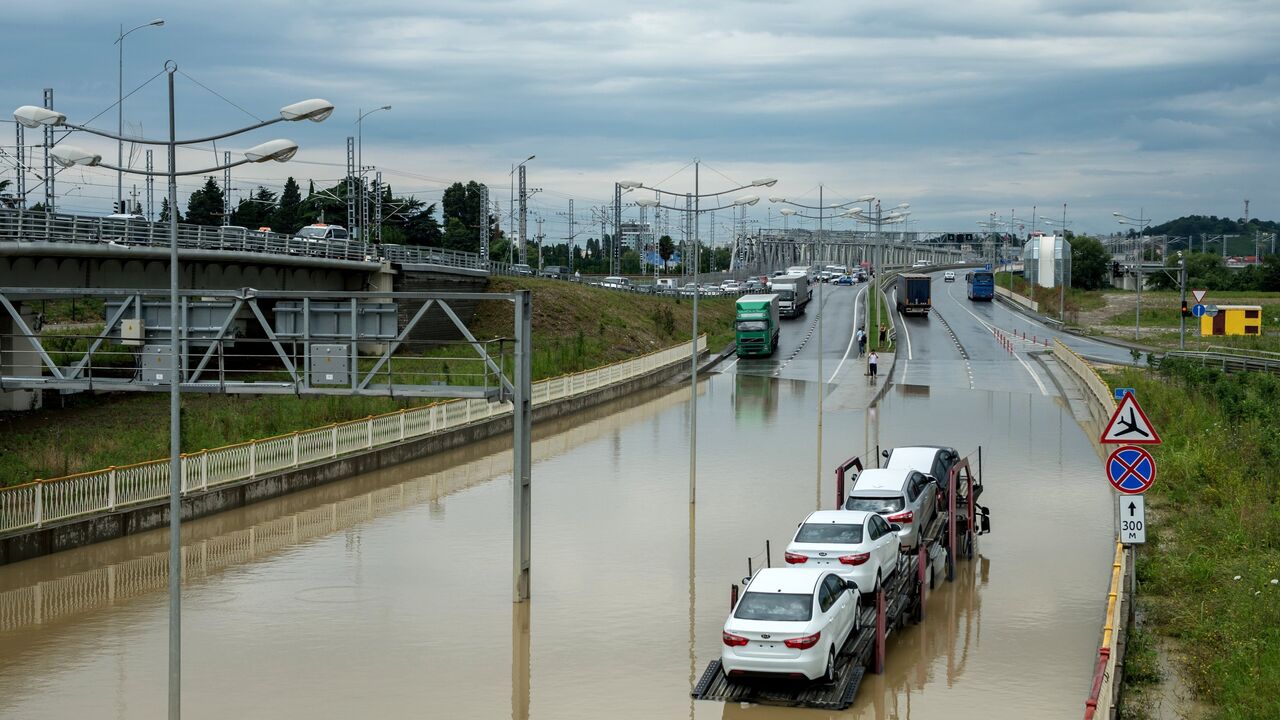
<point x="1129" y="425"/>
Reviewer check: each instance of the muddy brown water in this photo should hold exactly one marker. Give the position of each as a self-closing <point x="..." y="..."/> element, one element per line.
<point x="389" y="595"/>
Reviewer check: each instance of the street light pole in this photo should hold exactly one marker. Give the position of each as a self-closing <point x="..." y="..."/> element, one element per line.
<point x="362" y="207"/>
<point x="120" y="109"/>
<point x="1141" y="222"/>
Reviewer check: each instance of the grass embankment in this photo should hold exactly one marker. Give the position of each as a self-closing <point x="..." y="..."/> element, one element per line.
<point x="575" y="328"/>
<point x="1076" y="300"/>
<point x="1162" y="311"/>
<point x="1207" y="575"/>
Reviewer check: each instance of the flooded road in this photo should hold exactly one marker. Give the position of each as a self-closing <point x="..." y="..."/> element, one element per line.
<point x="389" y="595"/>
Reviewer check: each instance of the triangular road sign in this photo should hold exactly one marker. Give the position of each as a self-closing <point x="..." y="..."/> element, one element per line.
<point x="1129" y="425"/>
<point x="1198" y="295"/>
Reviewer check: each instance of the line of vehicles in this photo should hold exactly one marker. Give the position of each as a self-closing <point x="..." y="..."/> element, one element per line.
<point x="796" y="622"/>
<point x="914" y="290"/>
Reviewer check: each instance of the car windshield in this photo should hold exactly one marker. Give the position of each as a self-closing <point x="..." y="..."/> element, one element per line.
<point x="876" y="504"/>
<point x="838" y="533"/>
<point x="787" y="607"/>
<point x="752" y="325"/>
<point x="312" y="232"/>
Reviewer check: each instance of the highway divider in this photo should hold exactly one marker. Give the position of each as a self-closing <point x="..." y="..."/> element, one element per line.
<point x="44" y="501"/>
<point x="1105" y="687"/>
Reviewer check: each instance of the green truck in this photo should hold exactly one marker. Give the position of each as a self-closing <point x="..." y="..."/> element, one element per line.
<point x="756" y="325"/>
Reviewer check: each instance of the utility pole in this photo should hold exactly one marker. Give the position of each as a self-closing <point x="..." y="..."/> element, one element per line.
<point x="524" y="224"/>
<point x="539" y="221"/>
<point x="351" y="182"/>
<point x="21" y="188"/>
<point x="377" y="209"/>
<point x="484" y="224"/>
<point x="48" y="156"/>
<point x="226" y="188"/>
<point x="616" y="260"/>
<point x="151" y="188"/>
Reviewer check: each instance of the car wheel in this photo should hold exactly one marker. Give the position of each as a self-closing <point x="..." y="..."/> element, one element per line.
<point x="829" y="676"/>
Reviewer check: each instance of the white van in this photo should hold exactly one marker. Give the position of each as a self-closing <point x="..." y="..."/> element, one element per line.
<point x="321" y="231"/>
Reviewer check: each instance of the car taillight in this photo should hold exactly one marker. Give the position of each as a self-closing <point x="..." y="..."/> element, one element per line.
<point x="733" y="640"/>
<point x="903" y="517"/>
<point x="855" y="559"/>
<point x="796" y="558"/>
<point x="803" y="643"/>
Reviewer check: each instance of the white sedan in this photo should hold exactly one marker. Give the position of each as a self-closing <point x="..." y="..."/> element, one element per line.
<point x="790" y="623"/>
<point x="949" y="276"/>
<point x="860" y="545"/>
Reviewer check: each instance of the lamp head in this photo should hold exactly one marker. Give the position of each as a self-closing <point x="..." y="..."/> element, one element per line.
<point x="278" y="150"/>
<point x="902" y="206"/>
<point x="866" y="198"/>
<point x="647" y="202"/>
<point x="157" y="22"/>
<point x="34" y="116"/>
<point x="764" y="182"/>
<point x="777" y="199"/>
<point x="747" y="200"/>
<point x="787" y="211"/>
<point x="69" y="155"/>
<point x="630" y="184"/>
<point x="1116" y="214"/>
<point x="315" y="110"/>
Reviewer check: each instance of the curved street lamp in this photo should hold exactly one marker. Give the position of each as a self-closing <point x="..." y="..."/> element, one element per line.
<point x="158" y="22"/>
<point x="655" y="202"/>
<point x="1141" y="222"/>
<point x="32" y="116"/>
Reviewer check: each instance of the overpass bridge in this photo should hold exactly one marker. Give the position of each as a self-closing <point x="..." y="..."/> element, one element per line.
<point x="772" y="249"/>
<point x="53" y="250"/>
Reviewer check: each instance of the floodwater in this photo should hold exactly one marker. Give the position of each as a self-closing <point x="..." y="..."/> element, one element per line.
<point x="389" y="595"/>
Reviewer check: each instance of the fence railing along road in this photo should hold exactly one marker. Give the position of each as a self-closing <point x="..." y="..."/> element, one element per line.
<point x="44" y="501"/>
<point x="27" y="226"/>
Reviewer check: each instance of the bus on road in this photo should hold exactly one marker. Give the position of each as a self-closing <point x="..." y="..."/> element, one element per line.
<point x="981" y="285"/>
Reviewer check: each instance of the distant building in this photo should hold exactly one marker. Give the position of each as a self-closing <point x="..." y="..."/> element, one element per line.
<point x="637" y="236"/>
<point x="1045" y="258"/>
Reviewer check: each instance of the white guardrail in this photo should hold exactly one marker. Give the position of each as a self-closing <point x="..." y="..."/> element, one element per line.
<point x="44" y="501"/>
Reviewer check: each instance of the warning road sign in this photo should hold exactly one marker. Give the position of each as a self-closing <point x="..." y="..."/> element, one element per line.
<point x="1198" y="295"/>
<point x="1131" y="470"/>
<point x="1133" y="519"/>
<point x="1129" y="425"/>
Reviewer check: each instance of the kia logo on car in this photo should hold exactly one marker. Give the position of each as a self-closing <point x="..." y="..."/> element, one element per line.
<point x="822" y="554"/>
<point x="766" y="636"/>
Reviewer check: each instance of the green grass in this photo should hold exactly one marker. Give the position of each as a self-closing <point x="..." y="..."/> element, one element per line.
<point x="1076" y="300"/>
<point x="575" y="328"/>
<point x="1214" y="514"/>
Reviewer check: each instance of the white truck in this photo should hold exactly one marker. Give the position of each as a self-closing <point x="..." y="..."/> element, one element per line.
<point x="793" y="294"/>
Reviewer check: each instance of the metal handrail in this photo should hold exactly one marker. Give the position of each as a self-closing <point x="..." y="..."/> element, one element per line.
<point x="37" y="503"/>
<point x="19" y="225"/>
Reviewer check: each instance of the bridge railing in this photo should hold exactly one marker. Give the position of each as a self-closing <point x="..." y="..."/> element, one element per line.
<point x="44" y="501"/>
<point x="28" y="226"/>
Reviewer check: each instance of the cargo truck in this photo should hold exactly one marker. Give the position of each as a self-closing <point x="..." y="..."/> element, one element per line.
<point x="914" y="294"/>
<point x="793" y="294"/>
<point x="756" y="326"/>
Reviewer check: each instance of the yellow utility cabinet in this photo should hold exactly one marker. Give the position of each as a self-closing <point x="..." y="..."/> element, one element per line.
<point x="1233" y="320"/>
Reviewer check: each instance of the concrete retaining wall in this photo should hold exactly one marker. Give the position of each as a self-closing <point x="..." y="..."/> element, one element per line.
<point x="85" y="531"/>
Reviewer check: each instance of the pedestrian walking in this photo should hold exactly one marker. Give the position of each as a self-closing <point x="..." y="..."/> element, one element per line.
<point x="884" y="332"/>
<point x="873" y="361"/>
<point x="861" y="336"/>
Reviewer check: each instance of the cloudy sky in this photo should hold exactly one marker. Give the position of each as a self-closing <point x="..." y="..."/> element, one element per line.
<point x="961" y="109"/>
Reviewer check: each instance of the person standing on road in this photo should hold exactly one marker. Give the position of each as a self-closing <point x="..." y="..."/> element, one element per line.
<point x="873" y="361"/>
<point x="883" y="333"/>
<point x="861" y="337"/>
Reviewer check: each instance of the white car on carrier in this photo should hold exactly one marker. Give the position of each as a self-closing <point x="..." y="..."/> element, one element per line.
<point x="790" y="623"/>
<point x="862" y="546"/>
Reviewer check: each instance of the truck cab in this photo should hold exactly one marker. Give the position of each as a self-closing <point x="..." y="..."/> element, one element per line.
<point x="756" y="325"/>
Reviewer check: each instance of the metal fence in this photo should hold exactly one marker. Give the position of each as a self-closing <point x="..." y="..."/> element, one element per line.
<point x="28" y="226"/>
<point x="44" y="501"/>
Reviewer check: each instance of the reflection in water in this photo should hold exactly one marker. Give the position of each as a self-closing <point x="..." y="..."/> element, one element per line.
<point x="388" y="595"/>
<point x="755" y="398"/>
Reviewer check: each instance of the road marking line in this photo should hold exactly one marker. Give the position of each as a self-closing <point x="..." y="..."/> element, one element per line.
<point x="856" y="297"/>
<point x="729" y="367"/>
<point x="1017" y="357"/>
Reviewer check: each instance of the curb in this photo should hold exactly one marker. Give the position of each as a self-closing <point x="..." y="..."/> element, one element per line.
<point x="1054" y="324"/>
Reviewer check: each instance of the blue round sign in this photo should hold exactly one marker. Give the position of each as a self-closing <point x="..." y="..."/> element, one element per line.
<point x="1131" y="470"/>
<point x="1197" y="310"/>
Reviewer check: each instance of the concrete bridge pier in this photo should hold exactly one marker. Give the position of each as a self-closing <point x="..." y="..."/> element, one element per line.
<point x="18" y="357"/>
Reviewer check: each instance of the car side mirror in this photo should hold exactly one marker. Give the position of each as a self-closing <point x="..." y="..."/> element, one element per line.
<point x="850" y="585"/>
<point x="746" y="581"/>
<point x="884" y="454"/>
<point x="895" y="527"/>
